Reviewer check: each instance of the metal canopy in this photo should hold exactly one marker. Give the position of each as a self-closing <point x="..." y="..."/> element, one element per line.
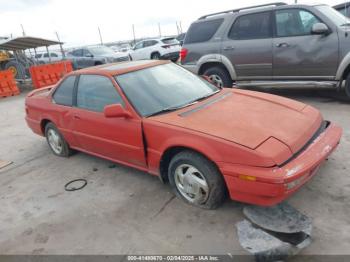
<point x="25" y="42"/>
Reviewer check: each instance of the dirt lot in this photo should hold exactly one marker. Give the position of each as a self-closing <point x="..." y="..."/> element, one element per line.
<point x="122" y="210"/>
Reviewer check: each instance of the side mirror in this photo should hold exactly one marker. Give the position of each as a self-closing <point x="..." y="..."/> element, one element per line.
<point x="320" y="29"/>
<point x="116" y="110"/>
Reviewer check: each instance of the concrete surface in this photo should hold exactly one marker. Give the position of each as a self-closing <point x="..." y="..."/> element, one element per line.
<point x="122" y="210"/>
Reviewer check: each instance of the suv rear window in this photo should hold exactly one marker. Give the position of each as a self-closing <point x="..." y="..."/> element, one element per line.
<point x="202" y="31"/>
<point x="169" y="41"/>
<point x="252" y="26"/>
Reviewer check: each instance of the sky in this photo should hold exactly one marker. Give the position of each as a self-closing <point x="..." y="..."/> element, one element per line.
<point x="77" y="21"/>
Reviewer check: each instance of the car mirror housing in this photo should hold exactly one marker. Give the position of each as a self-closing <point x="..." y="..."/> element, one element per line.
<point x="320" y="29"/>
<point x="116" y="110"/>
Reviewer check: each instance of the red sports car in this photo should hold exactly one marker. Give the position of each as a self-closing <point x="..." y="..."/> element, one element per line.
<point x="159" y="118"/>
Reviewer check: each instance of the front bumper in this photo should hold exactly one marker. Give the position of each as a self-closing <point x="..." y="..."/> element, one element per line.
<point x="269" y="186"/>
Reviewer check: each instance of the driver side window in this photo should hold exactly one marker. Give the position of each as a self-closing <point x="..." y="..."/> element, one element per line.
<point x="95" y="92"/>
<point x="139" y="45"/>
<point x="294" y="22"/>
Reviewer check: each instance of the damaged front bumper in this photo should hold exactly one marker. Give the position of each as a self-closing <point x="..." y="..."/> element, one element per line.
<point x="269" y="186"/>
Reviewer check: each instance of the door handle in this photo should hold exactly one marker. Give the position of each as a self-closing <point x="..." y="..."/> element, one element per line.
<point x="229" y="48"/>
<point x="282" y="45"/>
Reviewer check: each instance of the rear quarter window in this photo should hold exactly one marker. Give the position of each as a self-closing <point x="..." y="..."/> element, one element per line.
<point x="64" y="93"/>
<point x="202" y="31"/>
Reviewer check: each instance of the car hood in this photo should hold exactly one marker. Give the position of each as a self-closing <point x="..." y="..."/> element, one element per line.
<point x="249" y="118"/>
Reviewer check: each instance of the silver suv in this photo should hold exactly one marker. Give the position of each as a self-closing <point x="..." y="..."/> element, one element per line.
<point x="271" y="45"/>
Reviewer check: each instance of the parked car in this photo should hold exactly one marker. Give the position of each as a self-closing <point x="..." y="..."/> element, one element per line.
<point x="43" y="58"/>
<point x="181" y="38"/>
<point x="343" y="8"/>
<point x="163" y="48"/>
<point x="94" y="55"/>
<point x="162" y="119"/>
<point x="271" y="45"/>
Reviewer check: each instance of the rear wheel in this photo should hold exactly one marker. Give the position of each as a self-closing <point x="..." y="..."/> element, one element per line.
<point x="196" y="180"/>
<point x="57" y="143"/>
<point x="219" y="76"/>
<point x="155" y="56"/>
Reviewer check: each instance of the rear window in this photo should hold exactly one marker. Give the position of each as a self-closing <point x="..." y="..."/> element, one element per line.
<point x="170" y="41"/>
<point x="202" y="31"/>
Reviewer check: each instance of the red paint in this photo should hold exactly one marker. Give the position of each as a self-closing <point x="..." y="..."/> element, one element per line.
<point x="244" y="133"/>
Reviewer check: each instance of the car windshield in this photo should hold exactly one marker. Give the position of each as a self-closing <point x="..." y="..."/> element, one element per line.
<point x="334" y="15"/>
<point x="163" y="88"/>
<point x="101" y="50"/>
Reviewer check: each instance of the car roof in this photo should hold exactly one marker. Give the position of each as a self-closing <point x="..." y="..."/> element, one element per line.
<point x="121" y="67"/>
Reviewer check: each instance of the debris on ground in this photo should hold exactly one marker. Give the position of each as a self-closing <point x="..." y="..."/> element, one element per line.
<point x="4" y="163"/>
<point x="75" y="184"/>
<point x="274" y="233"/>
<point x="112" y="166"/>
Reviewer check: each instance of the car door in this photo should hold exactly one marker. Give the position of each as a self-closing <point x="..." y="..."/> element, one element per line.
<point x="297" y="52"/>
<point x="137" y="51"/>
<point x="248" y="45"/>
<point x="149" y="46"/>
<point x="118" y="139"/>
<point x="88" y="58"/>
<point x="78" y="58"/>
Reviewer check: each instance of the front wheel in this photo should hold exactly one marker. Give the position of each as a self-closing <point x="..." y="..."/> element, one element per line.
<point x="196" y="180"/>
<point x="219" y="76"/>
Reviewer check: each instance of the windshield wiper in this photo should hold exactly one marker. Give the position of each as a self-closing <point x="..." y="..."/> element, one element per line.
<point x="206" y="96"/>
<point x="172" y="108"/>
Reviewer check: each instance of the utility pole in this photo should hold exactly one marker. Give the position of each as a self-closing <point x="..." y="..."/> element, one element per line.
<point x="133" y="33"/>
<point x="295" y="1"/>
<point x="23" y="33"/>
<point x="61" y="47"/>
<point x="99" y="32"/>
<point x="180" y="26"/>
<point x="160" y="32"/>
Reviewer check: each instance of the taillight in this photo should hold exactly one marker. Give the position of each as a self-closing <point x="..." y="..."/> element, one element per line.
<point x="183" y="54"/>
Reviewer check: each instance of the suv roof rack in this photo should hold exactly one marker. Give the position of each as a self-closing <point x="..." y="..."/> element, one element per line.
<point x="244" y="8"/>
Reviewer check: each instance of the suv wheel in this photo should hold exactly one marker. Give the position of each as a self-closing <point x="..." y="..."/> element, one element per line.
<point x="219" y="76"/>
<point x="196" y="180"/>
<point x="347" y="87"/>
<point x="155" y="56"/>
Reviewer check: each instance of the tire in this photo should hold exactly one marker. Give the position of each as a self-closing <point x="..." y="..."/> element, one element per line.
<point x="62" y="148"/>
<point x="202" y="185"/>
<point x="219" y="76"/>
<point x="18" y="69"/>
<point x="155" y="56"/>
<point x="347" y="87"/>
